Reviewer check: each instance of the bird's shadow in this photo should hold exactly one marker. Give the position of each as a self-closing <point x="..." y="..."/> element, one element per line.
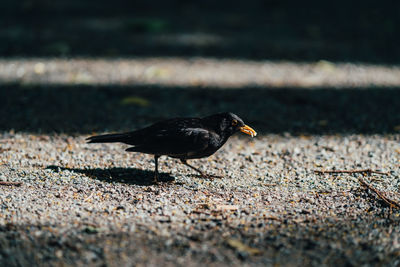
<point x="119" y="175"/>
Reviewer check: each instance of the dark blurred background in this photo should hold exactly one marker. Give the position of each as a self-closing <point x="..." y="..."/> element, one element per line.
<point x="362" y="31"/>
<point x="298" y="31"/>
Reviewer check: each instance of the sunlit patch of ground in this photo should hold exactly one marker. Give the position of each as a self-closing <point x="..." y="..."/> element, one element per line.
<point x="189" y="72"/>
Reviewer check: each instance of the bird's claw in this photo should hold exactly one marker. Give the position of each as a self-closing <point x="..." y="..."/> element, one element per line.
<point x="155" y="179"/>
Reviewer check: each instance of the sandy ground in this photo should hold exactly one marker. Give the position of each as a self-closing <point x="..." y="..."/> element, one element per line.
<point x="82" y="204"/>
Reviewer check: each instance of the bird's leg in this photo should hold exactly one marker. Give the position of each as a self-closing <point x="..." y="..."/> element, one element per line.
<point x="156" y="168"/>
<point x="192" y="167"/>
<point x="204" y="175"/>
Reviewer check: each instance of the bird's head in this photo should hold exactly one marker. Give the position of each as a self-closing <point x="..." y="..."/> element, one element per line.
<point x="230" y="123"/>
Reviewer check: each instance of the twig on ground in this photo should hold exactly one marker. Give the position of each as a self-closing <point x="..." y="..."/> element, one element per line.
<point x="10" y="183"/>
<point x="89" y="197"/>
<point x="351" y="171"/>
<point x="380" y="194"/>
<point x="272" y="218"/>
<point x="269" y="184"/>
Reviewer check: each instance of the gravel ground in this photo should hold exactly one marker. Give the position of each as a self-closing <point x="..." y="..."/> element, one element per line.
<point x="82" y="204"/>
<point x="92" y="204"/>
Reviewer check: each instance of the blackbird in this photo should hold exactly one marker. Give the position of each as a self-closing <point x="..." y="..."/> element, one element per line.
<point x="181" y="138"/>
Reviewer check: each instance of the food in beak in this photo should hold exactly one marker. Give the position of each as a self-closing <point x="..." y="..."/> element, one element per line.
<point x="248" y="130"/>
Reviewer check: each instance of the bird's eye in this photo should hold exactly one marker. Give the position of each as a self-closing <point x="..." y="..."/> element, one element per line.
<point x="234" y="122"/>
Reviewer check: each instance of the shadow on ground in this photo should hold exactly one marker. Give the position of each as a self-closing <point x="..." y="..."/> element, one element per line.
<point x="118" y="175"/>
<point x="89" y="109"/>
<point x="289" y="30"/>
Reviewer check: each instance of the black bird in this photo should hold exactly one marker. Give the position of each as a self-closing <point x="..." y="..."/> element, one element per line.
<point x="182" y="138"/>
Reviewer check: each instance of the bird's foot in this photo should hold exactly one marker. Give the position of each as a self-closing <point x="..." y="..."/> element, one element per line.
<point x="155" y="180"/>
<point x="201" y="174"/>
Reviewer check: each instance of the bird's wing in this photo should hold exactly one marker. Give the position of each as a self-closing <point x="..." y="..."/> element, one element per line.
<point x="145" y="135"/>
<point x="173" y="141"/>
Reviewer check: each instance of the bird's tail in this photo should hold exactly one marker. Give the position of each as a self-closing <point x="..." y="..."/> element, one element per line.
<point x="108" y="138"/>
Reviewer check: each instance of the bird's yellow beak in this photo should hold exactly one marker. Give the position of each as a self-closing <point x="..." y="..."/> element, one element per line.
<point x="248" y="130"/>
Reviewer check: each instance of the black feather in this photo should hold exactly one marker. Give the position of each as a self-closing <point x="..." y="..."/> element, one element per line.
<point x="108" y="138"/>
